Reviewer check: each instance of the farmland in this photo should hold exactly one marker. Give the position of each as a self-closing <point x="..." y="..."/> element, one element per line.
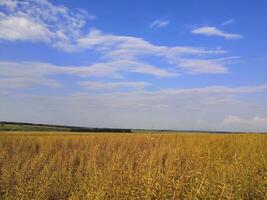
<point x="60" y="165"/>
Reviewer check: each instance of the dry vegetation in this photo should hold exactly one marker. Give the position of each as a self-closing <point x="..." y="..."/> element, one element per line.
<point x="132" y="166"/>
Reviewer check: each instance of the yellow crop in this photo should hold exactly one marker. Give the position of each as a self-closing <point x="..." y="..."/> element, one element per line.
<point x="132" y="166"/>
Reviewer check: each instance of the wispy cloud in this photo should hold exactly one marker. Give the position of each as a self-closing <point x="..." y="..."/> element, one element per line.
<point x="228" y="22"/>
<point x="131" y="48"/>
<point x="159" y="23"/>
<point x="64" y="28"/>
<point x="22" y="82"/>
<point x="203" y="66"/>
<point x="213" y="31"/>
<point x="28" y="74"/>
<point x="100" y="85"/>
<point x="207" y="66"/>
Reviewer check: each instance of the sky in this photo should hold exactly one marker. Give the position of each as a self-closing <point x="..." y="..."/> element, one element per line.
<point x="187" y="65"/>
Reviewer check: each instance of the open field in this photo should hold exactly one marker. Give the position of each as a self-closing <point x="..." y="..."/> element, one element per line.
<point x="39" y="165"/>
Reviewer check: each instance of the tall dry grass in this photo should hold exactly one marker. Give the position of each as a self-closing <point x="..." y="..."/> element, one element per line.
<point x="133" y="166"/>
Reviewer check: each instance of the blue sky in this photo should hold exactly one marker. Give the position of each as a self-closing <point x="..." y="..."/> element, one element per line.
<point x="137" y="64"/>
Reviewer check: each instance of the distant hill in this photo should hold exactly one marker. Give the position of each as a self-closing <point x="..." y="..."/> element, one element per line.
<point x="21" y="126"/>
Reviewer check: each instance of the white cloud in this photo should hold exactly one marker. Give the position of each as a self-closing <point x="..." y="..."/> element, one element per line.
<point x="228" y="22"/>
<point x="10" y="4"/>
<point x="21" y="28"/>
<point x="151" y="70"/>
<point x="98" y="69"/>
<point x="28" y="74"/>
<point x="232" y="119"/>
<point x="42" y="21"/>
<point x="250" y="124"/>
<point x="99" y="85"/>
<point x="130" y="47"/>
<point x="111" y="69"/>
<point x="179" y="108"/>
<point x="159" y="23"/>
<point x="213" y="31"/>
<point x="220" y="90"/>
<point x="114" y="47"/>
<point x="203" y="66"/>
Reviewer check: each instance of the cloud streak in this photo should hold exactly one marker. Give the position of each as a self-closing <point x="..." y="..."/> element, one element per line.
<point x="132" y="48"/>
<point x="228" y="22"/>
<point x="159" y="23"/>
<point x="29" y="74"/>
<point x="213" y="31"/>
<point x="100" y="85"/>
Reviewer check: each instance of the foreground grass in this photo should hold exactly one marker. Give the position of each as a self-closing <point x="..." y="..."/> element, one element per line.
<point x="133" y="166"/>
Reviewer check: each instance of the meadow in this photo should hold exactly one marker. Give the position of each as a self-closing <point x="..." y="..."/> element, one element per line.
<point x="57" y="165"/>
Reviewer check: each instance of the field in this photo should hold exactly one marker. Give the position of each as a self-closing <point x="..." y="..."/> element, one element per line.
<point x="40" y="165"/>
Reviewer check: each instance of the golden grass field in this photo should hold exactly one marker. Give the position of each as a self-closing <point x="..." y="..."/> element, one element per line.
<point x="40" y="165"/>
